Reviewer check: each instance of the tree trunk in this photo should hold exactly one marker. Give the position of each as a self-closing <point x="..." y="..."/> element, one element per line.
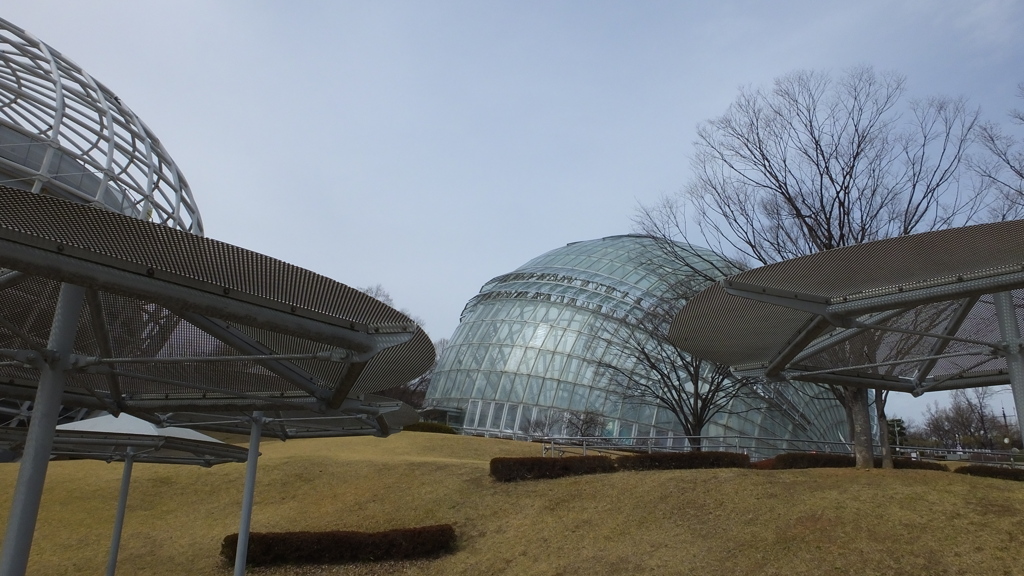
<point x="858" y="402"/>
<point x="883" y="431"/>
<point x="851" y="434"/>
<point x="696" y="443"/>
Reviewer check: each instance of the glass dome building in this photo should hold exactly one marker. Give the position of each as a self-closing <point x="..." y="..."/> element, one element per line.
<point x="65" y="134"/>
<point x="531" y="348"/>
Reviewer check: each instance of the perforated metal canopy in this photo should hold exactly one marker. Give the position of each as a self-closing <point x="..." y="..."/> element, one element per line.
<point x="174" y="323"/>
<point x="913" y="313"/>
<point x="113" y="439"/>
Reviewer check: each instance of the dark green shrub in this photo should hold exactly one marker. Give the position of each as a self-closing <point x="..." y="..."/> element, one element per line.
<point x="992" y="472"/>
<point x="794" y="460"/>
<point x="536" y="468"/>
<point x="435" y="427"/>
<point x="682" y="460"/>
<point x="339" y="547"/>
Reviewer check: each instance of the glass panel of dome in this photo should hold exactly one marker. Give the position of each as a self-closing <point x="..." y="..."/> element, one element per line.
<point x="485" y="414"/>
<point x="580" y="395"/>
<point x="547" y="392"/>
<point x="526" y="330"/>
<point x="573" y="366"/>
<point x="555" y="365"/>
<point x="554" y="335"/>
<point x="578" y="320"/>
<point x="533" y="389"/>
<point x="529" y="358"/>
<point x="472" y="412"/>
<point x="540" y="367"/>
<point x="539" y="334"/>
<point x="563" y="395"/>
<point x="502" y="333"/>
<point x="511" y="413"/>
<point x="463" y="384"/>
<point x="515" y="357"/>
<point x="505" y="387"/>
<point x="479" y="380"/>
<point x="492" y="380"/>
<point x="516" y="386"/>
<point x="497" y="414"/>
<point x="525" y="309"/>
<point x="565" y="343"/>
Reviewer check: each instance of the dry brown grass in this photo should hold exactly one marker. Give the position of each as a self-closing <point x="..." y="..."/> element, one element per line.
<point x="824" y="521"/>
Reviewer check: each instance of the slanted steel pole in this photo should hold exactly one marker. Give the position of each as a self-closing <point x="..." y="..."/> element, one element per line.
<point x="1009" y="330"/>
<point x="122" y="503"/>
<point x="242" y="549"/>
<point x="28" y="491"/>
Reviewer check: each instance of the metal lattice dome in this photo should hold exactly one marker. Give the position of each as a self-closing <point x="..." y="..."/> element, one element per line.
<point x="65" y="134"/>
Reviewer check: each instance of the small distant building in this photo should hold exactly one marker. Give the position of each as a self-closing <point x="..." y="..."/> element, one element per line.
<point x="525" y="356"/>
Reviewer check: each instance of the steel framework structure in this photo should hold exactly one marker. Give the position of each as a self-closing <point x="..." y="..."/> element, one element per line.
<point x="104" y="311"/>
<point x="934" y="311"/>
<point x="65" y="134"/>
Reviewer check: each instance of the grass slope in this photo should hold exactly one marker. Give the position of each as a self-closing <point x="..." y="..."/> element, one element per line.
<point x="839" y="521"/>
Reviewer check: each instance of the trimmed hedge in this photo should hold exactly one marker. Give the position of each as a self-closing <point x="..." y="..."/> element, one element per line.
<point x="682" y="460"/>
<point x="794" y="460"/>
<point x="535" y="468"/>
<point x="992" y="472"/>
<point x="435" y="427"/>
<point x="336" y="547"/>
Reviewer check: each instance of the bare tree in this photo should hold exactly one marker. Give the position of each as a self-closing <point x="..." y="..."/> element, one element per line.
<point x="968" y="421"/>
<point x="1003" y="166"/>
<point x="540" y="424"/>
<point x="819" y="162"/>
<point x="583" y="424"/>
<point x="645" y="366"/>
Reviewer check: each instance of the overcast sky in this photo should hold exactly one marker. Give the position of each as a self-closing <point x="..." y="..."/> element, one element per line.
<point x="429" y="146"/>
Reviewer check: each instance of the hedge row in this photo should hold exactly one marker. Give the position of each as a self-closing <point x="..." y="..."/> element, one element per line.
<point x="435" y="427"/>
<point x="515" y="469"/>
<point x="337" y="547"/>
<point x="795" y="460"/>
<point x="535" y="468"/>
<point x="992" y="472"/>
<point x="682" y="460"/>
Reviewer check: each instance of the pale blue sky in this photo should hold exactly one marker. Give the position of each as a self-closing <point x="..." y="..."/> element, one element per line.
<point x="430" y="146"/>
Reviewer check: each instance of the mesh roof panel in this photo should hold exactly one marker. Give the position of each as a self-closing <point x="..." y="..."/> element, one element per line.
<point x="915" y="311"/>
<point x="141" y="353"/>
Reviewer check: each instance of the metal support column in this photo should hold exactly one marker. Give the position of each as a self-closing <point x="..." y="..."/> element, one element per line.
<point x="242" y="550"/>
<point x="1009" y="330"/>
<point x="28" y="492"/>
<point x="122" y="503"/>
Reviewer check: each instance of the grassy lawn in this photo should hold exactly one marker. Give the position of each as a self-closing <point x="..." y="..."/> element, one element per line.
<point x="839" y="521"/>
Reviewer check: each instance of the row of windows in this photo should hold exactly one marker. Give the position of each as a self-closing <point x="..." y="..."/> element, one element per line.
<point x="483" y="416"/>
<point x="519" y="388"/>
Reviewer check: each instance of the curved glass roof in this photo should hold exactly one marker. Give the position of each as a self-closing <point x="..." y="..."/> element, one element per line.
<point x="528" y="347"/>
